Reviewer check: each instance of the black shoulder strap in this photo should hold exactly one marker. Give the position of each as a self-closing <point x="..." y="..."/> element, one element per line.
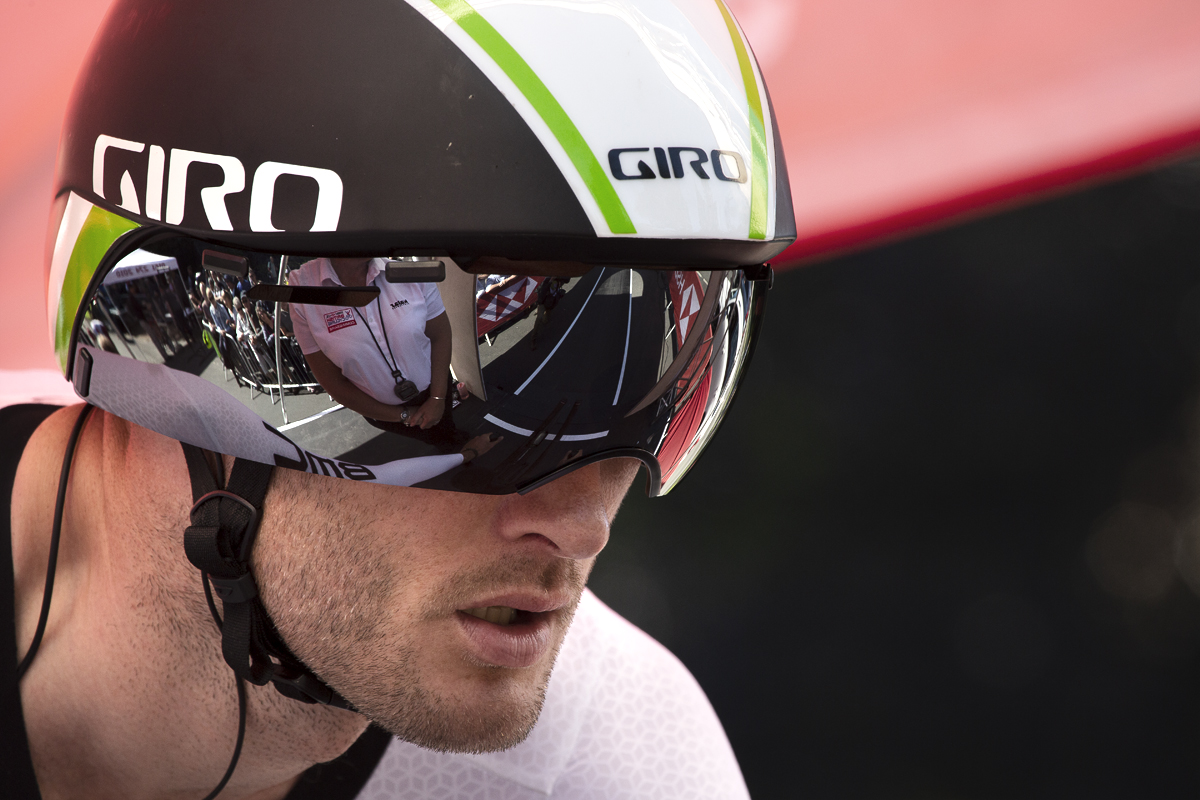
<point x="218" y="543"/>
<point x="344" y="777"/>
<point x="16" y="767"/>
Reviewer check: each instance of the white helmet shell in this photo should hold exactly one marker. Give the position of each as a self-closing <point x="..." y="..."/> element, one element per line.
<point x="686" y="103"/>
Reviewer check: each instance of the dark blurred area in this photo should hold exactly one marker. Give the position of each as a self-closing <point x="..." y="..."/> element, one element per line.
<point x="948" y="543"/>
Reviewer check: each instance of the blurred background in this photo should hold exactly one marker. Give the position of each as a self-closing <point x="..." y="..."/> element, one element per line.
<point x="948" y="545"/>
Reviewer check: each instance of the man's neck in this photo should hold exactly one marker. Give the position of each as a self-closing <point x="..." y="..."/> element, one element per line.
<point x="130" y="660"/>
<point x="351" y="271"/>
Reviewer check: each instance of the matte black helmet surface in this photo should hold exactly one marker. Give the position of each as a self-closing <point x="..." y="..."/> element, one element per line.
<point x="589" y="191"/>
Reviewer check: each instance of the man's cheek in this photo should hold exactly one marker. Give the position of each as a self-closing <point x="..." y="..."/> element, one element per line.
<point x="585" y="569"/>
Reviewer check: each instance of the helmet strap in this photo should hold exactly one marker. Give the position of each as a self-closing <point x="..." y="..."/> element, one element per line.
<point x="218" y="543"/>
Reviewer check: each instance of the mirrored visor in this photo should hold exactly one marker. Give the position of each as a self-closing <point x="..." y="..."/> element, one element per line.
<point x="412" y="371"/>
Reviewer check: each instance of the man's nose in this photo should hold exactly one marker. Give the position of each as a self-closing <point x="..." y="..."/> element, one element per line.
<point x="572" y="513"/>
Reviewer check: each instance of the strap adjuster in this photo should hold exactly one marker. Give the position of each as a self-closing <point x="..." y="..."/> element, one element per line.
<point x="218" y="493"/>
<point x="235" y="590"/>
<point x="251" y="526"/>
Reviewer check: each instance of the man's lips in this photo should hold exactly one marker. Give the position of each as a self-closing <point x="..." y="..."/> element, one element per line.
<point x="522" y="601"/>
<point x="511" y="630"/>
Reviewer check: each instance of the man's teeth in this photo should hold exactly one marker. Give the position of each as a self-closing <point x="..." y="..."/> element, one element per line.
<point x="500" y="615"/>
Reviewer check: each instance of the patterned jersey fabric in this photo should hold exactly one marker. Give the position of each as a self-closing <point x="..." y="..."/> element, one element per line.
<point x="623" y="719"/>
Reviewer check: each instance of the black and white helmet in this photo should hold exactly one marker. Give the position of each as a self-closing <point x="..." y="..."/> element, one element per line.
<point x="624" y="149"/>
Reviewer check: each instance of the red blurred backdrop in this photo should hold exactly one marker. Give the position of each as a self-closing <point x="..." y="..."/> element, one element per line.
<point x="896" y="114"/>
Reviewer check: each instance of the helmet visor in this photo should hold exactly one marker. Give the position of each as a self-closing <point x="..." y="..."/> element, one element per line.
<point x="405" y="371"/>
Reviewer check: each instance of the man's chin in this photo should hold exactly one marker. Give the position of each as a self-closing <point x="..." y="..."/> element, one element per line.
<point x="497" y="718"/>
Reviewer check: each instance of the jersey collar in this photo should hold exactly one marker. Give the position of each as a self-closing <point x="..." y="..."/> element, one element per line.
<point x="329" y="278"/>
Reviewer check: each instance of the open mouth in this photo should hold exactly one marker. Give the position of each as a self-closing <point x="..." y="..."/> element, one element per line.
<point x="507" y="636"/>
<point x="501" y="615"/>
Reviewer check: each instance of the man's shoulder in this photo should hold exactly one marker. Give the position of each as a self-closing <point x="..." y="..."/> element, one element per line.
<point x="623" y="718"/>
<point x="308" y="269"/>
<point x="604" y="645"/>
<point x="310" y="273"/>
<point x="650" y="730"/>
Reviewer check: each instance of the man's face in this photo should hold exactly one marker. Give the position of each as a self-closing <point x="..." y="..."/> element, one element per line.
<point x="381" y="590"/>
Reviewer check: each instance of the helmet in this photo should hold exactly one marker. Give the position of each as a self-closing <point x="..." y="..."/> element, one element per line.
<point x="262" y="210"/>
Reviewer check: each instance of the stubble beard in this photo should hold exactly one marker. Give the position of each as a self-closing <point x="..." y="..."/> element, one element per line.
<point x="498" y="710"/>
<point x="408" y="709"/>
<point x="342" y="624"/>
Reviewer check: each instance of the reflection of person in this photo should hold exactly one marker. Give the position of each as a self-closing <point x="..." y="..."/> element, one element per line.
<point x="265" y="321"/>
<point x="495" y="283"/>
<point x="291" y="361"/>
<point x="362" y="355"/>
<point x="250" y="338"/>
<point x="100" y="335"/>
<point x="549" y="292"/>
<point x="221" y="318"/>
<point x="244" y="325"/>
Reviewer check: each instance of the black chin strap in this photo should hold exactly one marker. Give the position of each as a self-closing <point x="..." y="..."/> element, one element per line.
<point x="218" y="543"/>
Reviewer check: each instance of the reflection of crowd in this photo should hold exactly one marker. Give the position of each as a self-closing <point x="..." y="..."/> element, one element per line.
<point x="147" y="311"/>
<point x="158" y="317"/>
<point x="244" y="333"/>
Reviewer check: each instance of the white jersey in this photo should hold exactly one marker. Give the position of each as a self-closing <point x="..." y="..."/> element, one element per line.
<point x="365" y="343"/>
<point x="623" y="719"/>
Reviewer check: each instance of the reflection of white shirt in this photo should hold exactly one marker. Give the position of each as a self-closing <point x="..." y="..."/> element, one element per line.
<point x="244" y="327"/>
<point x="623" y="720"/>
<point x="341" y="333"/>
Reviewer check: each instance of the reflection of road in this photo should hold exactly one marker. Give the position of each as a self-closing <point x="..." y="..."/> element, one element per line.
<point x="599" y="352"/>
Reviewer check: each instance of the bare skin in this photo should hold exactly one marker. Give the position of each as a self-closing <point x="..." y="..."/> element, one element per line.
<point x="129" y="697"/>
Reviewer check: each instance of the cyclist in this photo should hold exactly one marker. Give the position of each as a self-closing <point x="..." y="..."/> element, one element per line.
<point x="194" y="525"/>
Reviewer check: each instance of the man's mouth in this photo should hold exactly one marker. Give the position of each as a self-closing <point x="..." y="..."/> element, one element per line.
<point x="514" y="632"/>
<point x="499" y="615"/>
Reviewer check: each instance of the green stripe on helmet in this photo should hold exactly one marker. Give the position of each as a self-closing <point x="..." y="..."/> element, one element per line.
<point x="758" y="132"/>
<point x="99" y="231"/>
<point x="547" y="107"/>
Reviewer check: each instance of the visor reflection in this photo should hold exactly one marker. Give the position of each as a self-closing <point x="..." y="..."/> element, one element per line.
<point x="483" y="383"/>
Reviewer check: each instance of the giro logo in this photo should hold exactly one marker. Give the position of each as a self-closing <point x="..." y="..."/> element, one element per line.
<point x="212" y="198"/>
<point x="726" y="165"/>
